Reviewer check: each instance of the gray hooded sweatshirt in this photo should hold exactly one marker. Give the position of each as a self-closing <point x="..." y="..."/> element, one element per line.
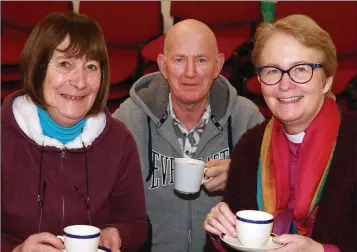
<point x="177" y="220"/>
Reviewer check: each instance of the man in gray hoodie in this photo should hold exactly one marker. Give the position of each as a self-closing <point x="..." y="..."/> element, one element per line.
<point x="185" y="110"/>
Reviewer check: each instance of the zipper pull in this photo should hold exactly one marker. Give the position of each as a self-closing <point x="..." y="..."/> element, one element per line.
<point x="40" y="198"/>
<point x="63" y="154"/>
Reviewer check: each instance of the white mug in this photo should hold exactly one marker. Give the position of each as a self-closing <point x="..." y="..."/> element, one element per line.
<point x="80" y="238"/>
<point x="254" y="227"/>
<point x="189" y="175"/>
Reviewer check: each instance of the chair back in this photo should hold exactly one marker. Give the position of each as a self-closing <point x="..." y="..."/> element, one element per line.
<point x="338" y="18"/>
<point x="220" y="16"/>
<point x="25" y="15"/>
<point x="125" y="23"/>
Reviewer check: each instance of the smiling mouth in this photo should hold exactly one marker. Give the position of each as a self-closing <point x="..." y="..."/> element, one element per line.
<point x="189" y="84"/>
<point x="72" y="97"/>
<point x="290" y="99"/>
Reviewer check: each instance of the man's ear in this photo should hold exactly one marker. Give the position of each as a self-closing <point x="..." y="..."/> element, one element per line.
<point x="219" y="64"/>
<point x="162" y="65"/>
<point x="328" y="85"/>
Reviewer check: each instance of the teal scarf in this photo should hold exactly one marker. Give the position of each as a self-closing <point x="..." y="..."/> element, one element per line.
<point x="63" y="134"/>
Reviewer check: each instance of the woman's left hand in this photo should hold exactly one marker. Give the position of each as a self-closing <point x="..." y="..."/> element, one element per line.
<point x="297" y="243"/>
<point x="110" y="238"/>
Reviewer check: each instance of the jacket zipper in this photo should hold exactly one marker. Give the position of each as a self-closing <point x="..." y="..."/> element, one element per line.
<point x="189" y="224"/>
<point x="63" y="157"/>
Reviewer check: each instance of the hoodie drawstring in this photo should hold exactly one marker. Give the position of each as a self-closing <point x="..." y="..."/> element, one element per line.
<point x="230" y="137"/>
<point x="86" y="198"/>
<point x="220" y="128"/>
<point x="151" y="166"/>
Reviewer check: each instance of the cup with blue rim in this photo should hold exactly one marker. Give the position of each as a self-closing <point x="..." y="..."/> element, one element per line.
<point x="81" y="238"/>
<point x="254" y="227"/>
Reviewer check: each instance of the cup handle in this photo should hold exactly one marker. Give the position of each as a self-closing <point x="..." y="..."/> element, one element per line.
<point x="62" y="239"/>
<point x="203" y="179"/>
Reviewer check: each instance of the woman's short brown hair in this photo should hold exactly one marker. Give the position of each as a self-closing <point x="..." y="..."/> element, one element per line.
<point x="86" y="39"/>
<point x="306" y="31"/>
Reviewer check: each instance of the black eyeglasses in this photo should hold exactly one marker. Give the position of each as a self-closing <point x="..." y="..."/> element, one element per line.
<point x="301" y="73"/>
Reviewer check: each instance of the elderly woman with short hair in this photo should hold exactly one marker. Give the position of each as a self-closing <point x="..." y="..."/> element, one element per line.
<point x="301" y="165"/>
<point x="64" y="159"/>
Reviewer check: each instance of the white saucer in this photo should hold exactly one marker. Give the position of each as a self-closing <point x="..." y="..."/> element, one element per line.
<point x="234" y="243"/>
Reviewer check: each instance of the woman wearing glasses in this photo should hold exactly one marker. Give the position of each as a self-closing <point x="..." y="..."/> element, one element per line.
<point x="64" y="159"/>
<point x="300" y="165"/>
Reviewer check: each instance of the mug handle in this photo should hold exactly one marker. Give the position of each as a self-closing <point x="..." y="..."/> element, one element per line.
<point x="62" y="239"/>
<point x="205" y="180"/>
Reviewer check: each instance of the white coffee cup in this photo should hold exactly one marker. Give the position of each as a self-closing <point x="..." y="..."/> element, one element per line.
<point x="254" y="227"/>
<point x="80" y="238"/>
<point x="189" y="175"/>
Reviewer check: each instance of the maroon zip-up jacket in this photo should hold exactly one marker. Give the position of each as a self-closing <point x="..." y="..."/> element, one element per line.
<point x="114" y="184"/>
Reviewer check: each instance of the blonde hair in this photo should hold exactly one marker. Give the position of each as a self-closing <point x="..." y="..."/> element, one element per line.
<point x="307" y="32"/>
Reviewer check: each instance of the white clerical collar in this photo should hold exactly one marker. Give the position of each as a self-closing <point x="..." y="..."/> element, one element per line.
<point x="297" y="138"/>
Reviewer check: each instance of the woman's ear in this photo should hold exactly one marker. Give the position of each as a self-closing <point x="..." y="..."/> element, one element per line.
<point x="328" y="85"/>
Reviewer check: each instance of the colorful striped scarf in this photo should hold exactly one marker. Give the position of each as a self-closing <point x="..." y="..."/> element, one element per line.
<point x="317" y="148"/>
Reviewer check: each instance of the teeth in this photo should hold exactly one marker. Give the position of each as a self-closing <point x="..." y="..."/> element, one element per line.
<point x="73" y="97"/>
<point x="291" y="99"/>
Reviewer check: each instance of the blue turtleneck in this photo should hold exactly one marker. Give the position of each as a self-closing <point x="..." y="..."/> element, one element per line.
<point x="63" y="134"/>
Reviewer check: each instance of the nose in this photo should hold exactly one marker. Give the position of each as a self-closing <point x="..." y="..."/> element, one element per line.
<point x="286" y="83"/>
<point x="79" y="79"/>
<point x="190" y="69"/>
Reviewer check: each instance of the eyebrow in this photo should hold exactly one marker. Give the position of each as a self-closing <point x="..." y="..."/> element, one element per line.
<point x="290" y="65"/>
<point x="62" y="56"/>
<point x="179" y="55"/>
<point x="202" y="56"/>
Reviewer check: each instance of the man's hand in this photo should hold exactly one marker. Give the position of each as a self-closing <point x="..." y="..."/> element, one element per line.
<point x="42" y="242"/>
<point x="217" y="169"/>
<point x="110" y="238"/>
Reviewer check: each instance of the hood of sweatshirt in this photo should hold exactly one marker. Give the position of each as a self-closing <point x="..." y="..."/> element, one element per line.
<point x="151" y="93"/>
<point x="20" y="112"/>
